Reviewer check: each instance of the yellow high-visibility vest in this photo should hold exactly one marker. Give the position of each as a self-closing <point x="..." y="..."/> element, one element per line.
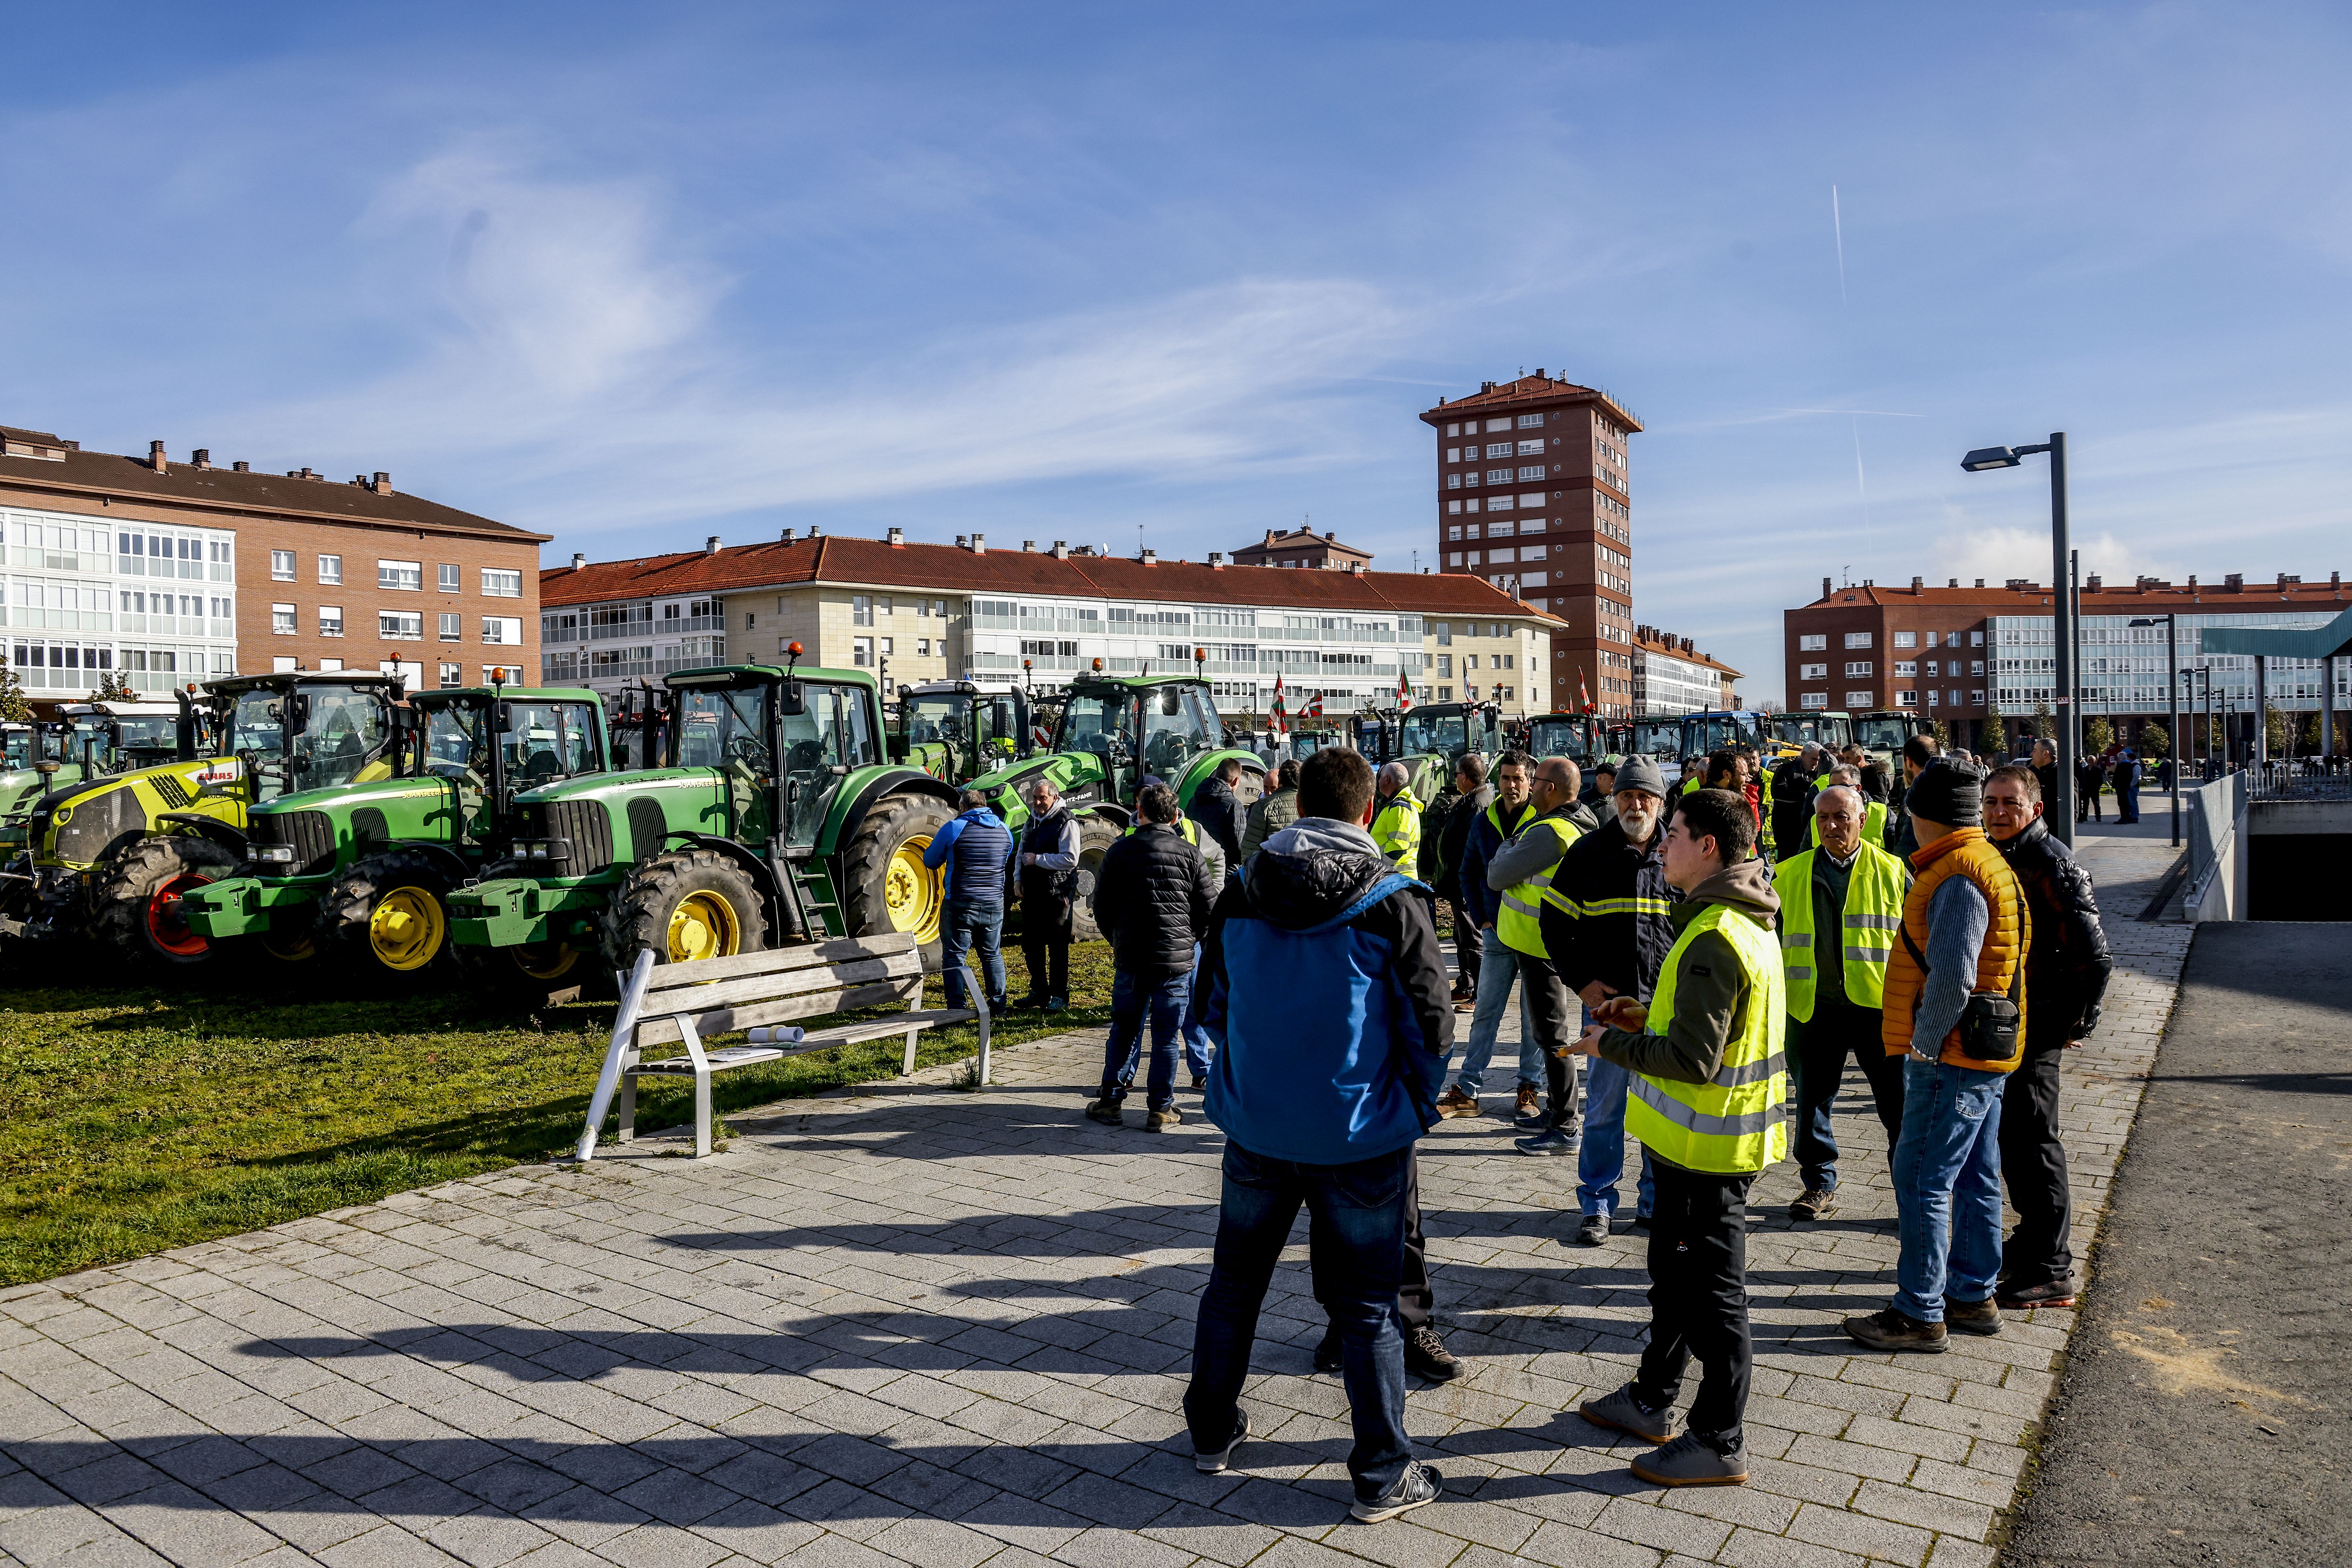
<point x="1520" y="923"/>
<point x="1397" y="829"/>
<point x="1874" y="914"/>
<point x="1731" y="1124"/>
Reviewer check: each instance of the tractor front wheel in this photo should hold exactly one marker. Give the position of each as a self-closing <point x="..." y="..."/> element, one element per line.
<point x="686" y="905"/>
<point x="135" y="910"/>
<point x="1096" y="836"/>
<point x="530" y="974"/>
<point x="388" y="914"/>
<point x="886" y="887"/>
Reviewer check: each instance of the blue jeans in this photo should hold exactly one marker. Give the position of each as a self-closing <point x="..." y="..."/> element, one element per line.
<point x="1355" y="1249"/>
<point x="1130" y="997"/>
<point x="1948" y="1187"/>
<point x="1601" y="1160"/>
<point x="963" y="927"/>
<point x="1498" y="972"/>
<point x="1196" y="1038"/>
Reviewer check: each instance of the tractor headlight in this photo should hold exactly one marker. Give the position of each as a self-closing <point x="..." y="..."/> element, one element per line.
<point x="271" y="854"/>
<point x="541" y="851"/>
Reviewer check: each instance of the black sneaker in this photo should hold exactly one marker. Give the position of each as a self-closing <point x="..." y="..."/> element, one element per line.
<point x="1893" y="1330"/>
<point x="1215" y="1464"/>
<point x="1425" y="1356"/>
<point x="1593" y="1231"/>
<point x="1108" y="1112"/>
<point x="1553" y="1141"/>
<point x="1326" y="1350"/>
<point x="1622" y="1412"/>
<point x="2050" y="1293"/>
<point x="1419" y="1484"/>
<point x="1030" y="1005"/>
<point x="1690" y="1460"/>
<point x="1819" y="1202"/>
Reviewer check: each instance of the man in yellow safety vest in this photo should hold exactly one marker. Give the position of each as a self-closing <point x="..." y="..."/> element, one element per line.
<point x="1874" y="812"/>
<point x="1840" y="907"/>
<point x="1396" y="819"/>
<point x="1710" y="1078"/>
<point x="1522" y="871"/>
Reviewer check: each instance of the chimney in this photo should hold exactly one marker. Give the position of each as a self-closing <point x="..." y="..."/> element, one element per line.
<point x="785" y="537"/>
<point x="155" y="458"/>
<point x="963" y="542"/>
<point x="1956" y="583"/>
<point x="2235" y="583"/>
<point x="1980" y="582"/>
<point x="897" y="538"/>
<point x="579" y="560"/>
<point x="2092" y="587"/>
<point x="980" y="544"/>
<point x="711" y="544"/>
<point x="1061" y="550"/>
<point x="1217" y="559"/>
<point x="2335" y="581"/>
<point x="382" y="485"/>
<point x="1150" y="557"/>
<point x="1917" y="583"/>
<point x="2192" y="582"/>
<point x="201" y="456"/>
<point x="816" y="530"/>
<point x="2284" y="580"/>
<point x="1028" y="547"/>
<point x="1539" y="374"/>
<point x="241" y="467"/>
<point x="1825" y="587"/>
<point x="1357" y="567"/>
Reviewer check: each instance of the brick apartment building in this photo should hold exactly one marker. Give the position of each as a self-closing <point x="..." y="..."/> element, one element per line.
<point x="1540" y="464"/>
<point x="1302" y="547"/>
<point x="264" y="571"/>
<point x="914" y="612"/>
<point x="1980" y="659"/>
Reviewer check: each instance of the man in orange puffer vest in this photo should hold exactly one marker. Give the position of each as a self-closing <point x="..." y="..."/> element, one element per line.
<point x="1955" y="1011"/>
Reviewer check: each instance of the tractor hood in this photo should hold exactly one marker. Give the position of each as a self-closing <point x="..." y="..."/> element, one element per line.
<point x="1078" y="774"/>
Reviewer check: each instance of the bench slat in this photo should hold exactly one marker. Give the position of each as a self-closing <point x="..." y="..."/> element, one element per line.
<point x="776" y="987"/>
<point x="735" y="1020"/>
<point x="891" y="1024"/>
<point x="737" y="1057"/>
<point x="778" y="960"/>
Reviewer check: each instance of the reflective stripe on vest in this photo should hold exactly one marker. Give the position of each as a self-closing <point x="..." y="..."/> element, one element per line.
<point x="1396" y="831"/>
<point x="1520" y="922"/>
<point x="1639" y="904"/>
<point x="1873" y="914"/>
<point x="1183" y="825"/>
<point x="1732" y="1124"/>
<point x="1873" y="826"/>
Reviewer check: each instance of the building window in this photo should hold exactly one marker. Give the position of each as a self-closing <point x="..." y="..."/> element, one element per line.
<point x="280" y="664"/>
<point x="1814" y="700"/>
<point x="448" y="574"/>
<point x="1907" y="700"/>
<point x="454" y="676"/>
<point x="1454" y="558"/>
<point x="400" y="626"/>
<point x="1976" y="667"/>
<point x="326" y="665"/>
<point x="282" y="566"/>
<point x="281" y="619"/>
<point x="1533" y="472"/>
<point x="501" y="585"/>
<point x="1934" y="699"/>
<point x="1816" y="672"/>
<point x="1976" y="698"/>
<point x="404" y="576"/>
<point x="1445" y="634"/>
<point x="1812" y="642"/>
<point x="1905" y="670"/>
<point x="1445" y="694"/>
<point x="1454" y="482"/>
<point x="861" y="651"/>
<point x="861" y="611"/>
<point x="1857" y="667"/>
<point x="1931" y="669"/>
<point x="922" y="648"/>
<point x="1859" y="700"/>
<point x="502" y="629"/>
<point x="452" y="628"/>
<point x="1976" y="639"/>
<point x="331" y="620"/>
<point x="331" y="569"/>
<point x="1857" y="639"/>
<point x="1531" y="421"/>
<point x="1911" y="639"/>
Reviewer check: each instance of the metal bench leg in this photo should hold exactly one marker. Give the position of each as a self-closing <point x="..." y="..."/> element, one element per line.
<point x="627" y="1101"/>
<point x="907" y="1068"/>
<point x="980" y="1007"/>
<point x="702" y="1112"/>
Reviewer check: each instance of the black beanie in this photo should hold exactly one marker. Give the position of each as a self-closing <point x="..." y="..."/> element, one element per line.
<point x="1951" y="793"/>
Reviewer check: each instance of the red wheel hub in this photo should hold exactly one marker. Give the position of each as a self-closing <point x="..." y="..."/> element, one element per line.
<point x="170" y="930"/>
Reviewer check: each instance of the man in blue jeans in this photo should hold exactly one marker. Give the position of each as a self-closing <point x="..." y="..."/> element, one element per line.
<point x="975" y="848"/>
<point x="1152" y="897"/>
<point x="1499" y="966"/>
<point x="1327" y="994"/>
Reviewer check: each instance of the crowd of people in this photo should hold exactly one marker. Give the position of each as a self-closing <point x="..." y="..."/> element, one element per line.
<point x="1695" y="964"/>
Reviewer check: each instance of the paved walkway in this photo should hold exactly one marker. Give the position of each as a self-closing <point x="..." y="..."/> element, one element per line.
<point x="919" y="1324"/>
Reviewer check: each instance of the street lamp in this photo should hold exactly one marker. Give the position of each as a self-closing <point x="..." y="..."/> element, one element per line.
<point x="2172" y="696"/>
<point x="2062" y="614"/>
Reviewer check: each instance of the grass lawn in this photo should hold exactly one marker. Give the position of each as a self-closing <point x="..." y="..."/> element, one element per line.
<point x="136" y="1120"/>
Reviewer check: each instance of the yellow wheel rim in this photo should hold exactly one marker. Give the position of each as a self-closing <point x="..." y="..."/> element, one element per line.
<point x="704" y="925"/>
<point x="406" y="929"/>
<point x="289" y="948"/>
<point x="546" y="960"/>
<point x="912" y="891"/>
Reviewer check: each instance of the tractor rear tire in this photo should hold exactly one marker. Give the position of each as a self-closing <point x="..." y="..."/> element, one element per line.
<point x="885" y="884"/>
<point x="387" y="916"/>
<point x="685" y="905"/>
<point x="1096" y="836"/>
<point x="130" y="915"/>
<point x="534" y="974"/>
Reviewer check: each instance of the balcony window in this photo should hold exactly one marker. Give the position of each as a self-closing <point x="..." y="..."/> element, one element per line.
<point x="1907" y="639"/>
<point x="331" y="569"/>
<point x="400" y="576"/>
<point x="1814" y="700"/>
<point x="1858" y="667"/>
<point x="1531" y="421"/>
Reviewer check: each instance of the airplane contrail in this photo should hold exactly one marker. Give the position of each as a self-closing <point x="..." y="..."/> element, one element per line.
<point x="1837" y="227"/>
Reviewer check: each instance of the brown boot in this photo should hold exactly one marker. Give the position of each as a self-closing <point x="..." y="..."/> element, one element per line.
<point x="1530" y="1105"/>
<point x="1453" y="1102"/>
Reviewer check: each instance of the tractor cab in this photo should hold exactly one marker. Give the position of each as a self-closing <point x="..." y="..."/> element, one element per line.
<point x="1449" y="730"/>
<point x="1659" y="736"/>
<point x="1576" y="736"/>
<point x="1887" y="731"/>
<point x="494" y="742"/>
<point x="303" y="731"/>
<point x="1138" y="729"/>
<point x="1795" y="732"/>
<point x="957" y="729"/>
<point x="128" y="734"/>
<point x="1721" y="730"/>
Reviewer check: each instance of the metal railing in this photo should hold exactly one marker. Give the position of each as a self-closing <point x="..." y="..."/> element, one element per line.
<point x="2212" y="820"/>
<point x="2304" y="778"/>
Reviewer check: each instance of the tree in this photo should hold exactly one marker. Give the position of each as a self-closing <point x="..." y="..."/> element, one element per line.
<point x="14" y="708"/>
<point x="2310" y="747"/>
<point x="2155" y="741"/>
<point x="2275" y="728"/>
<point x="2045" y="723"/>
<point x="2097" y="736"/>
<point x="113" y="685"/>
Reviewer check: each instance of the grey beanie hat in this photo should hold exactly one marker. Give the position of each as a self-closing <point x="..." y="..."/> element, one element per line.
<point x="1640" y="772"/>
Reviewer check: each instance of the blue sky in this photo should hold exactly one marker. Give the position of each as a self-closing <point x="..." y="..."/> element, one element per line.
<point x="633" y="275"/>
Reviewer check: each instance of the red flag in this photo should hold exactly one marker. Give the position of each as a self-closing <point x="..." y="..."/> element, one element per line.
<point x="1313" y="709"/>
<point x="1405" y="695"/>
<point x="1583" y="692"/>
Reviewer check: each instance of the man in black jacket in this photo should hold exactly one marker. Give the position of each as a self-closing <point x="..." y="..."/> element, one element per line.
<point x="2066" y="970"/>
<point x="1219" y="812"/>
<point x="1048" y="862"/>
<point x="1152" y="898"/>
<point x="1471" y="796"/>
<point x="1920" y="752"/>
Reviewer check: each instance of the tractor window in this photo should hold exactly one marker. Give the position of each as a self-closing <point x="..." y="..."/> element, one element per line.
<point x="858" y="748"/>
<point x="257" y="725"/>
<point x="1881" y="734"/>
<point x="937" y="717"/>
<point x="740" y="730"/>
<point x="1424" y="731"/>
<point x="999" y="726"/>
<point x="454" y="743"/>
<point x="20" y="748"/>
<point x="1558" y="738"/>
<point x="148" y="741"/>
<point x="823" y="736"/>
<point x="346" y="730"/>
<point x="1173" y="732"/>
<point x="698" y="729"/>
<point x="1098" y="722"/>
<point x="547" y="740"/>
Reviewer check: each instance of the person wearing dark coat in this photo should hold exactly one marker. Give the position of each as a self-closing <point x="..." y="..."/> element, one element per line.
<point x="1152" y="898"/>
<point x="2090" y="778"/>
<point x="1048" y="862"/>
<point x="1219" y="812"/>
<point x="2066" y="970"/>
<point x="2126" y="783"/>
<point x="1473" y="794"/>
<point x="974" y="849"/>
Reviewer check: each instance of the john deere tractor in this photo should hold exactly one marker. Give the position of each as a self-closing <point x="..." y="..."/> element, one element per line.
<point x="1114" y="733"/>
<point x="1579" y="737"/>
<point x="956" y="730"/>
<point x="111" y="857"/>
<point x="773" y="819"/>
<point x="360" y="870"/>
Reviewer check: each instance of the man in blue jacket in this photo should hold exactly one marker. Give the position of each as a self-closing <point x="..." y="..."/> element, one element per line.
<point x="975" y="849"/>
<point x="1327" y="999"/>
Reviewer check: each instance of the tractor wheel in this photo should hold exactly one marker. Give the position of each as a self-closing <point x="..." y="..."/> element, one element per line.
<point x="132" y="913"/>
<point x="688" y="904"/>
<point x="886" y="887"/>
<point x="387" y="915"/>
<point x="1096" y="836"/>
<point x="532" y="975"/>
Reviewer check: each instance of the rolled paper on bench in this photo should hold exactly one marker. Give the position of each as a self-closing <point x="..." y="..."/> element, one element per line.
<point x="782" y="1034"/>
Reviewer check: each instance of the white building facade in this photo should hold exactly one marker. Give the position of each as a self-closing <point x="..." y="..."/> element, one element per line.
<point x="154" y="603"/>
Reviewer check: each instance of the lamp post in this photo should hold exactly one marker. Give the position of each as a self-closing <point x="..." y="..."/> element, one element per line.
<point x="2172" y="696"/>
<point x="2062" y="663"/>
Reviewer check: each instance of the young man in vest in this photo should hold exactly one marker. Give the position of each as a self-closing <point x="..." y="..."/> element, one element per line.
<point x="975" y="849"/>
<point x="1049" y="881"/>
<point x="1965" y="935"/>
<point x="1523" y="871"/>
<point x="1840" y="905"/>
<point x="1499" y="964"/>
<point x="1708" y="1081"/>
<point x="1396" y="819"/>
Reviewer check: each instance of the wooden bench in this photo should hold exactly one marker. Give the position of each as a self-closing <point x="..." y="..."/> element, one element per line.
<point x="685" y="1003"/>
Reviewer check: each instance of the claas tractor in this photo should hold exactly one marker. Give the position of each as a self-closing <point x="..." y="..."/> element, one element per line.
<point x="360" y="872"/>
<point x="956" y="730"/>
<point x="111" y="857"/>
<point x="1114" y="733"/>
<point x="772" y="818"/>
<point x="94" y="739"/>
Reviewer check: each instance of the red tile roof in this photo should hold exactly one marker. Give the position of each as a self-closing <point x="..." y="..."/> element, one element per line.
<point x="2151" y="597"/>
<point x="1534" y="388"/>
<point x="1675" y="649"/>
<point x="853" y="562"/>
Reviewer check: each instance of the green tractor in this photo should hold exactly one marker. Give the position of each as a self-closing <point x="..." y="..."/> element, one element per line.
<point x="111" y="857"/>
<point x="95" y="739"/>
<point x="1431" y="740"/>
<point x="1114" y="732"/>
<point x="361" y="870"/>
<point x="956" y="730"/>
<point x="1579" y="737"/>
<point x="772" y="819"/>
